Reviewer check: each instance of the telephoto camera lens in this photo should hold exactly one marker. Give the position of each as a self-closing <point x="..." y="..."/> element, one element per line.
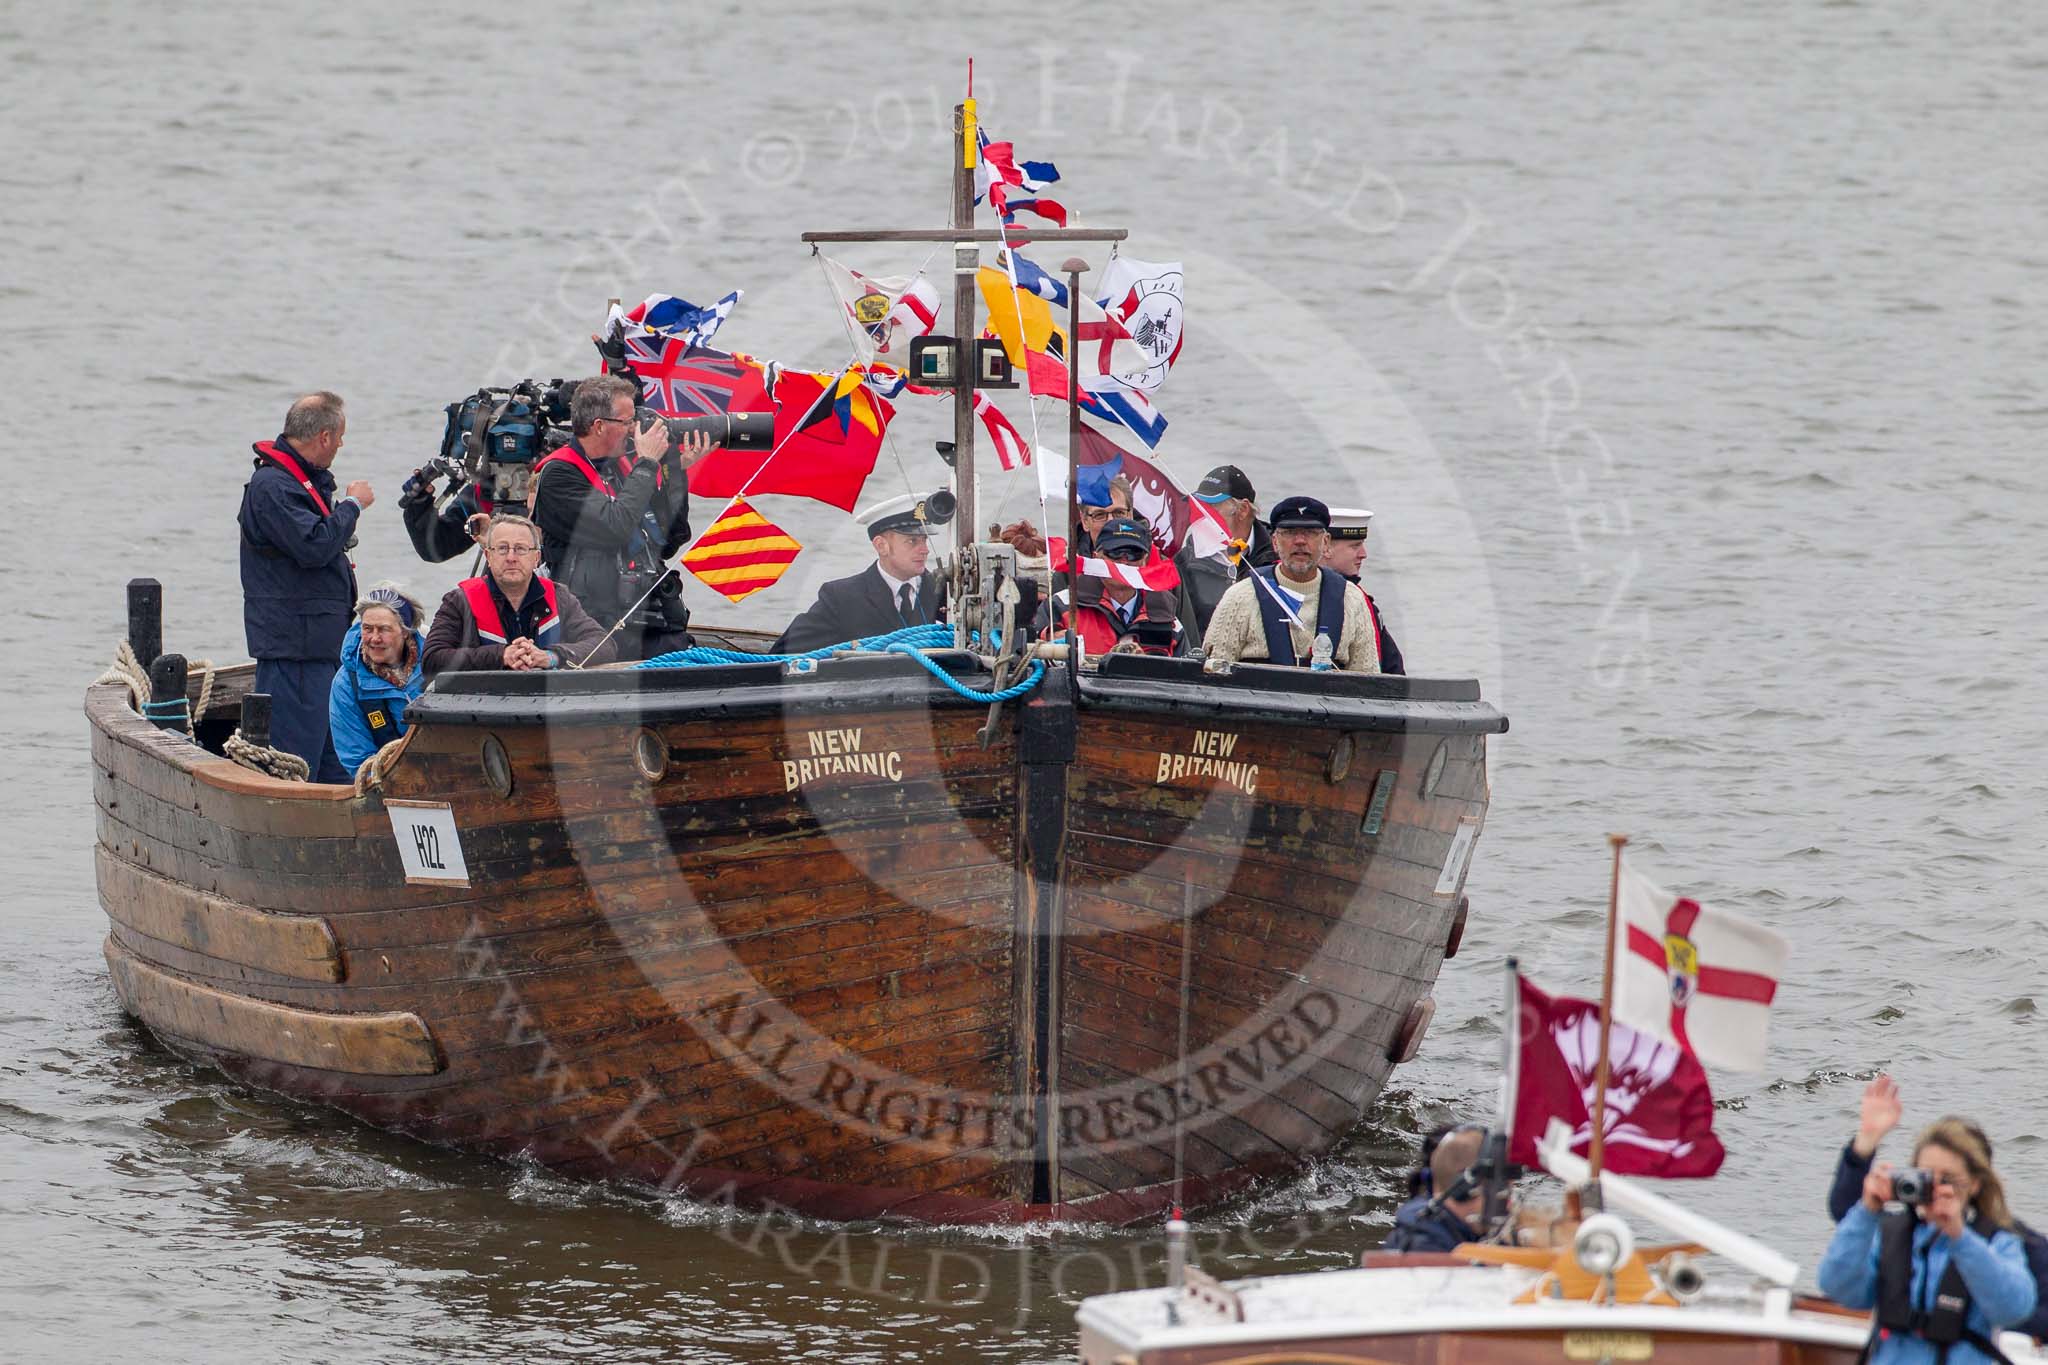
<point x="728" y="430"/>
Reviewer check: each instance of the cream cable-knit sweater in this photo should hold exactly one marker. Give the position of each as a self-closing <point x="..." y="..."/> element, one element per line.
<point x="1235" y="631"/>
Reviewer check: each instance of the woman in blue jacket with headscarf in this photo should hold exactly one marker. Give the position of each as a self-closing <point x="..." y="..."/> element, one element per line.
<point x="379" y="675"/>
<point x="1944" y="1274"/>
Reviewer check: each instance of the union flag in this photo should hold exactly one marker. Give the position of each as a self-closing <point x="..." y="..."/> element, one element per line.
<point x="1698" y="978"/>
<point x="681" y="380"/>
<point x="815" y="455"/>
<point x="742" y="553"/>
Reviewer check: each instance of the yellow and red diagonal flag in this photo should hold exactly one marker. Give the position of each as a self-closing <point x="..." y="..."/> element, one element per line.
<point x="742" y="553"/>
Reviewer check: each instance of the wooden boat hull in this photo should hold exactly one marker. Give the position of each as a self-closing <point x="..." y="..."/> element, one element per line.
<point x="808" y="941"/>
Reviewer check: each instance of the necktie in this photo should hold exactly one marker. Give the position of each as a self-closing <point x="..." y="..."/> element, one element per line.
<point x="906" y="604"/>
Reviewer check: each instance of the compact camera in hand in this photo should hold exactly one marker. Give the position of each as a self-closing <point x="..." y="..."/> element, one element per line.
<point x="1913" y="1187"/>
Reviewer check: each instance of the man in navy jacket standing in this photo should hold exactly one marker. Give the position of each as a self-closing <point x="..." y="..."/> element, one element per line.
<point x="298" y="586"/>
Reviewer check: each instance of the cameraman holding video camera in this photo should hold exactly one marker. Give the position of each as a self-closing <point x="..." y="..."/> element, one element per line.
<point x="1946" y="1270"/>
<point x="441" y="533"/>
<point x="612" y="510"/>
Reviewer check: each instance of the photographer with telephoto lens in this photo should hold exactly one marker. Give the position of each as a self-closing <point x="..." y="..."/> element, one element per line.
<point x="1945" y="1268"/>
<point x="613" y="504"/>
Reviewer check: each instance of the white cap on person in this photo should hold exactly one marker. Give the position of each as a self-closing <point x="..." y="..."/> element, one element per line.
<point x="1348" y="523"/>
<point x="911" y="514"/>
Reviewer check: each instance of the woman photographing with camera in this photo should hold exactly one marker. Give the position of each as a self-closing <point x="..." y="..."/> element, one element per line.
<point x="1946" y="1271"/>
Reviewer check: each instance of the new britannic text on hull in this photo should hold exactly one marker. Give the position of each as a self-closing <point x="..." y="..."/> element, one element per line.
<point x="838" y="935"/>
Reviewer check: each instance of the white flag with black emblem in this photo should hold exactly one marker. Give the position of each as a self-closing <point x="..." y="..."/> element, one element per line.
<point x="1145" y="296"/>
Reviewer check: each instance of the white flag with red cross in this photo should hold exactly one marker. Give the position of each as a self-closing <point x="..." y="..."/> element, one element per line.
<point x="1694" y="976"/>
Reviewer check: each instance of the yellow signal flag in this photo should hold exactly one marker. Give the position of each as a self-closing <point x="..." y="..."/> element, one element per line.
<point x="742" y="553"/>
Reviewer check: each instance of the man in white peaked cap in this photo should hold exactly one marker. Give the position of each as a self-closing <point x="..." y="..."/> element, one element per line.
<point x="892" y="593"/>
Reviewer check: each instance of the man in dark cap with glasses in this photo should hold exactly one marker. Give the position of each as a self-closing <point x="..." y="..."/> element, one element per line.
<point x="1226" y="489"/>
<point x="1295" y="611"/>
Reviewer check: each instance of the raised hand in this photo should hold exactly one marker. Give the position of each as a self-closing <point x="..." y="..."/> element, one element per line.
<point x="359" y="489"/>
<point x="1878" y="1115"/>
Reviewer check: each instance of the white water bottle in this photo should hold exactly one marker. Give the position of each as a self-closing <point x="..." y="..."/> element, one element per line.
<point x="1320" y="659"/>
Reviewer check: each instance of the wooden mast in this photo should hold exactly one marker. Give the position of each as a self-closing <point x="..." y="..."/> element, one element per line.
<point x="1599" y="1144"/>
<point x="966" y="261"/>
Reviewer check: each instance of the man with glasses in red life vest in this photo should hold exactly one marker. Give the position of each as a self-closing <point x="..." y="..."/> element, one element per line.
<point x="613" y="505"/>
<point x="1113" y="612"/>
<point x="298" y="586"/>
<point x="511" y="617"/>
<point x="1349" y="527"/>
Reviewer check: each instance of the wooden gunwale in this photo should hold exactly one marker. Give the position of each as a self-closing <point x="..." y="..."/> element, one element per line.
<point x="390" y="1043"/>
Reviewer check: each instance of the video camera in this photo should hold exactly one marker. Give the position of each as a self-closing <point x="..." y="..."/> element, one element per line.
<point x="493" y="437"/>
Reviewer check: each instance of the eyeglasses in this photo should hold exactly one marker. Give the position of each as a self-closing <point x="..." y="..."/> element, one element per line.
<point x="511" y="551"/>
<point x="1096" y="514"/>
<point x="1125" y="554"/>
<point x="615" y="421"/>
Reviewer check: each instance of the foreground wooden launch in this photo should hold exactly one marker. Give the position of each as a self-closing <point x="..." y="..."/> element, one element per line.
<point x="804" y="938"/>
<point x="1593" y="1296"/>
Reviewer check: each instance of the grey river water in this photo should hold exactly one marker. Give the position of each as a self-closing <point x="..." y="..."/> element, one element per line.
<point x="1692" y="361"/>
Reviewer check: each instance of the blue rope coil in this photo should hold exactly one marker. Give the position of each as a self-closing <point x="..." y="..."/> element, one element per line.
<point x="912" y="641"/>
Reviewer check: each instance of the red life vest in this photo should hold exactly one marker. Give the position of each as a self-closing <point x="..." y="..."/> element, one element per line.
<point x="1372" y="620"/>
<point x="283" y="460"/>
<point x="490" y="626"/>
<point x="1101" y="629"/>
<point x="576" y="459"/>
<point x="568" y="454"/>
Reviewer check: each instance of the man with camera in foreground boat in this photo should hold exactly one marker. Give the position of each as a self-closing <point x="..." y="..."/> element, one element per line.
<point x="1295" y="612"/>
<point x="511" y="617"/>
<point x="1441" y="1218"/>
<point x="298" y="585"/>
<point x="892" y="593"/>
<point x="613" y="505"/>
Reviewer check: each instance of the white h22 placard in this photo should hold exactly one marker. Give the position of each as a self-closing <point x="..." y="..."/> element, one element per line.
<point x="428" y="844"/>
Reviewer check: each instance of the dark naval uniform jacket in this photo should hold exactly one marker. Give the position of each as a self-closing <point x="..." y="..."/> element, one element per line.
<point x="856" y="608"/>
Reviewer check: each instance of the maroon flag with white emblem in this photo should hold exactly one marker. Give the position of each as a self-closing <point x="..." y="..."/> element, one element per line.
<point x="1660" y="1111"/>
<point x="1699" y="978"/>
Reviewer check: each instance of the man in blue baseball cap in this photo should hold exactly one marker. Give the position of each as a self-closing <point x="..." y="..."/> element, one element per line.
<point x="1295" y="611"/>
<point x="1118" y="610"/>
